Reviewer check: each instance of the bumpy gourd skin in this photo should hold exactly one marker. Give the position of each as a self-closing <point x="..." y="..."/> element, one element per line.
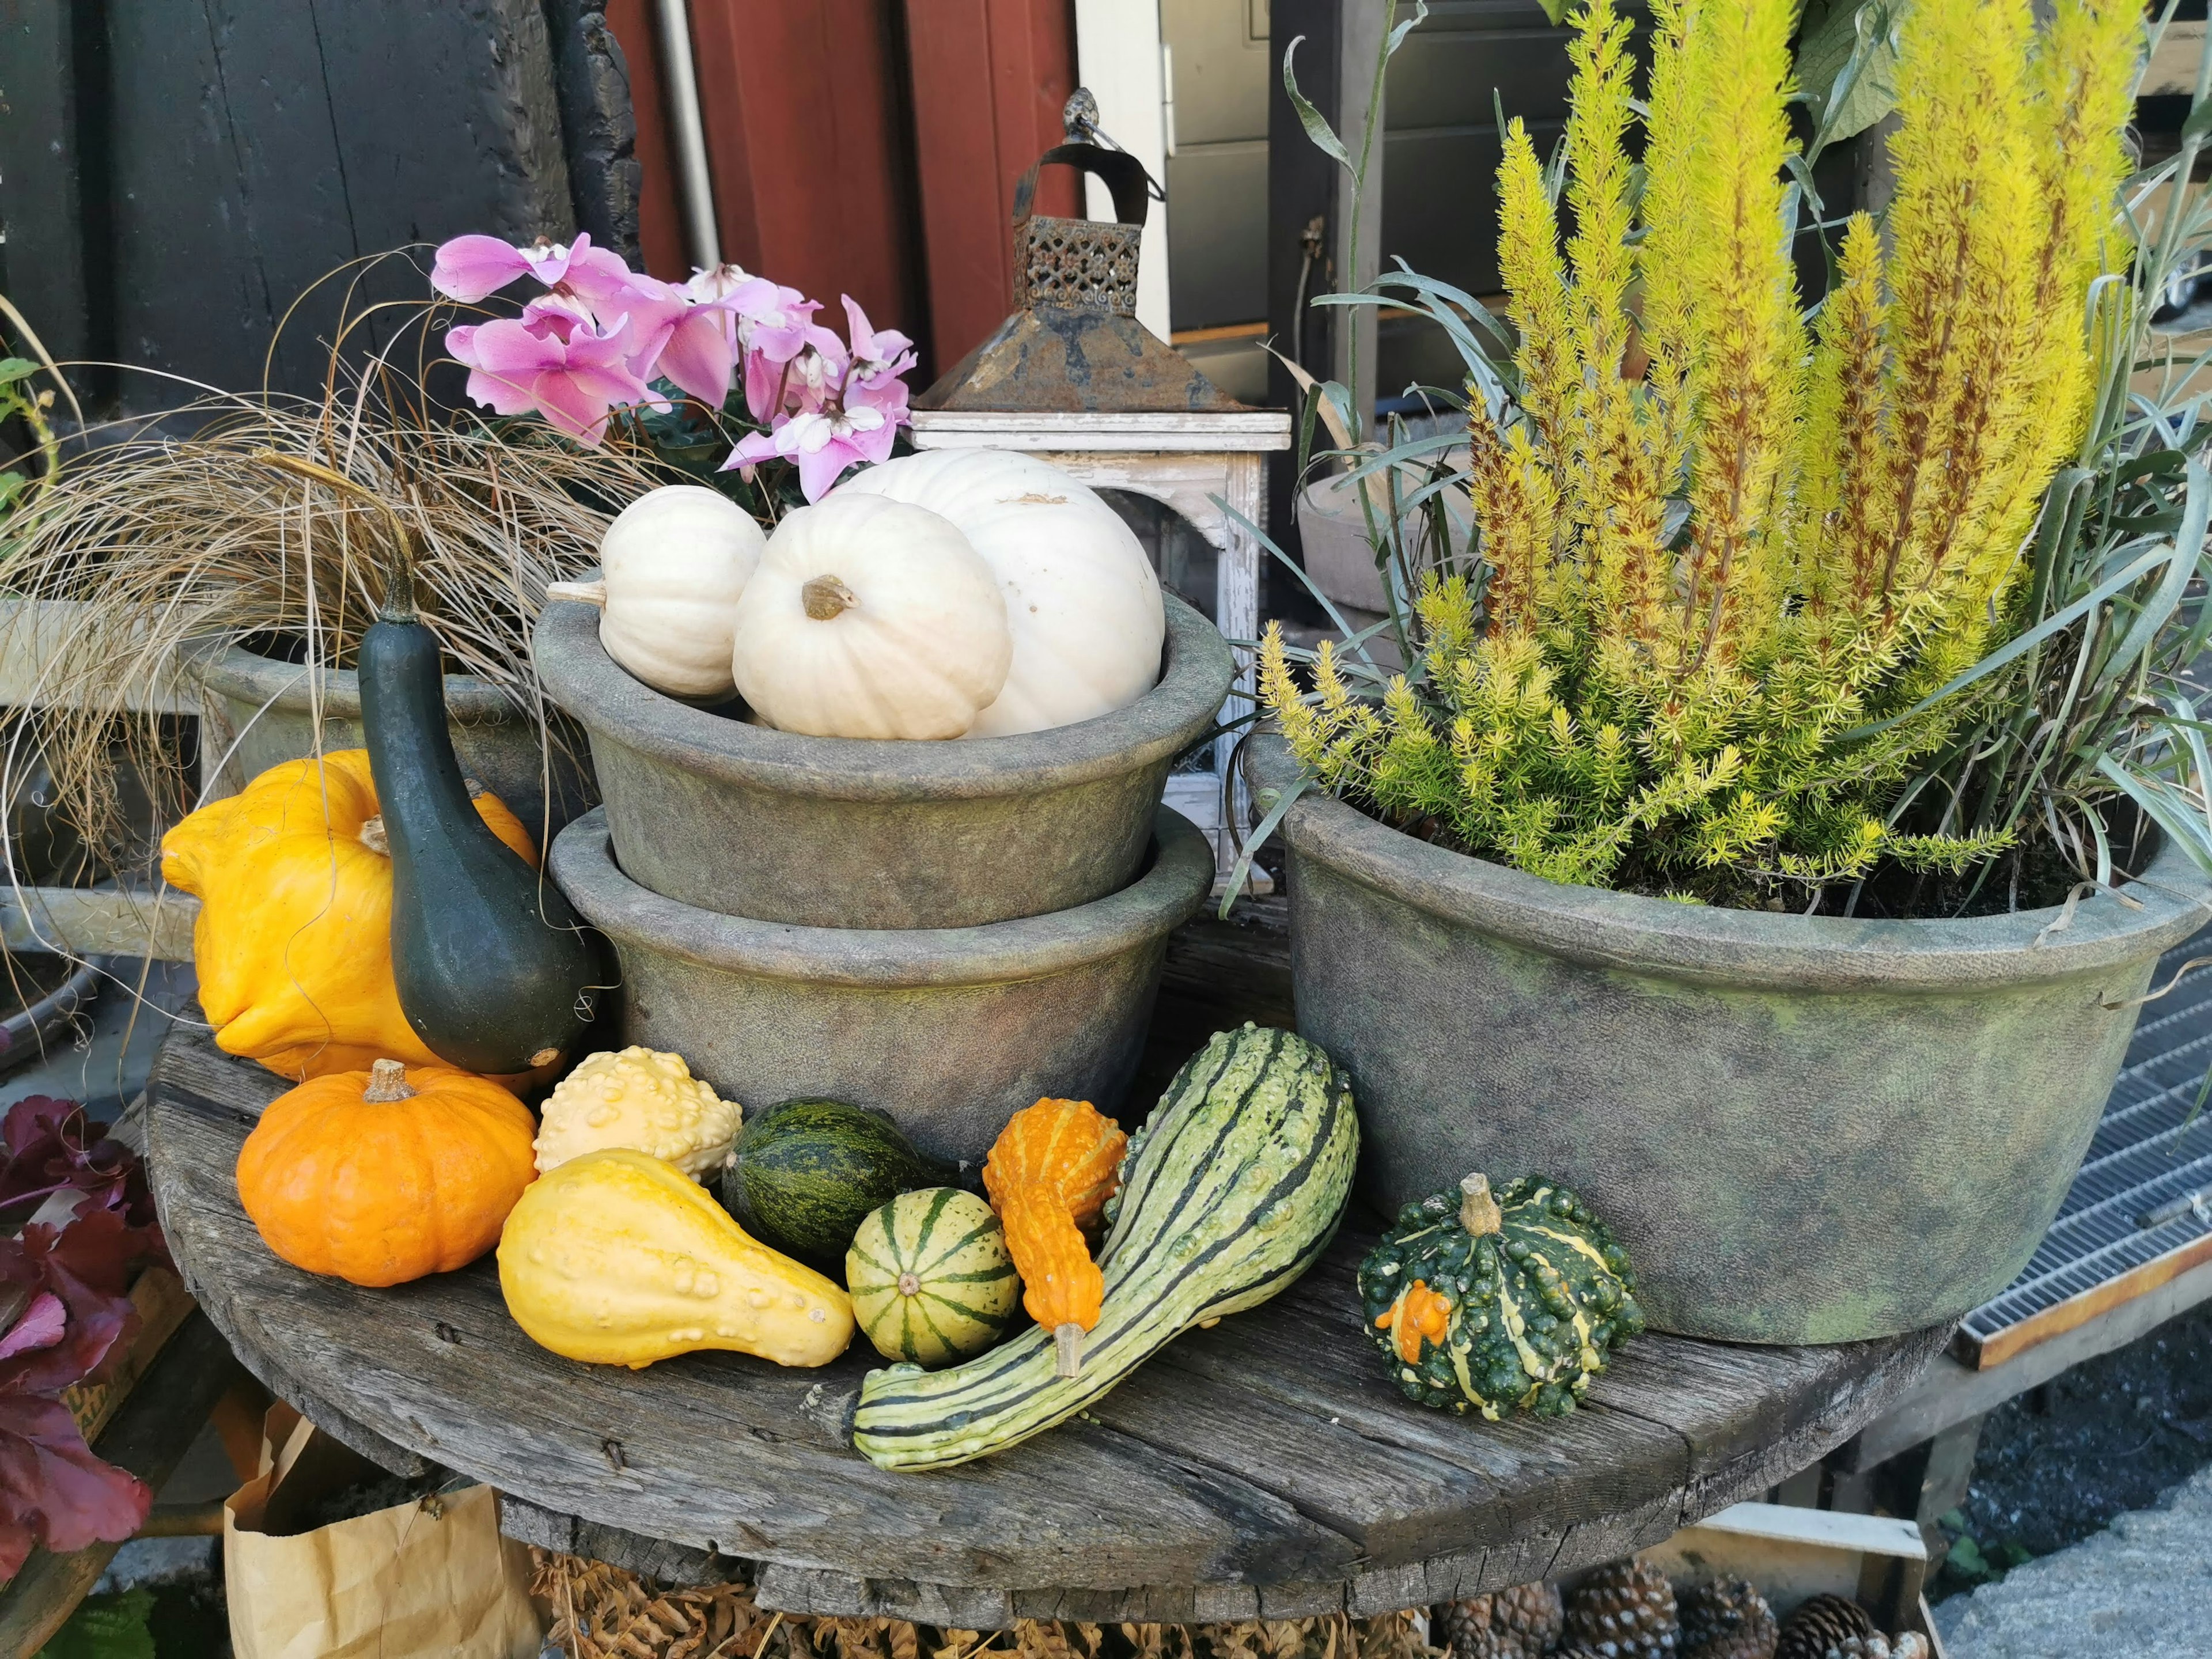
<point x="617" y="1258"/>
<point x="293" y="943"/>
<point x="1517" y="1318"/>
<point x="1050" y="1174"/>
<point x="641" y="1099"/>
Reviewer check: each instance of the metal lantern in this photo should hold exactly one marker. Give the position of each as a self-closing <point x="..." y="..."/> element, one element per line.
<point x="1072" y="376"/>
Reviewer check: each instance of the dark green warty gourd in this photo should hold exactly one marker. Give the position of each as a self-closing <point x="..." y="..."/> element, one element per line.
<point x="1504" y="1303"/>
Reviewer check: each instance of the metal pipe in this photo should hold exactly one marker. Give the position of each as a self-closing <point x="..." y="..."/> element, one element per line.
<point x="688" y="127"/>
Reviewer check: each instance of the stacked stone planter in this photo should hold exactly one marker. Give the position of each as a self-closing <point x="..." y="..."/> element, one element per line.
<point x="944" y="930"/>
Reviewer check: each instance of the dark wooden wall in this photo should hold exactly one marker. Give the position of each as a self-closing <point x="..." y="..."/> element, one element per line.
<point x="173" y="177"/>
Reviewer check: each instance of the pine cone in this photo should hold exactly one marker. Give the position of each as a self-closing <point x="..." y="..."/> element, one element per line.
<point x="1727" y="1619"/>
<point x="1530" y="1615"/>
<point x="1624" y="1611"/>
<point x="1821" y="1623"/>
<point x="1520" y="1623"/>
<point x="1467" y="1630"/>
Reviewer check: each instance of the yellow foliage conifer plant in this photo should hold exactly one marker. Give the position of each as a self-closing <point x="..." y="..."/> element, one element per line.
<point x="1727" y="555"/>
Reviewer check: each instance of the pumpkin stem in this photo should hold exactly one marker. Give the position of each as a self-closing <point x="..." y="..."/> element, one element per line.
<point x="387" y="1081"/>
<point x="584" y="592"/>
<point x="825" y="597"/>
<point x="374" y="838"/>
<point x="1478" y="1210"/>
<point x="1068" y="1350"/>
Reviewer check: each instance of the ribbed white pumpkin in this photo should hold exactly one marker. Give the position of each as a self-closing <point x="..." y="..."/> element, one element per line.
<point x="1082" y="599"/>
<point x="672" y="565"/>
<point x="870" y="618"/>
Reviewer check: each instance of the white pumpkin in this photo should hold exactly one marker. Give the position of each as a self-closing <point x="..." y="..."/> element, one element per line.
<point x="672" y="565"/>
<point x="1082" y="599"/>
<point x="871" y="618"/>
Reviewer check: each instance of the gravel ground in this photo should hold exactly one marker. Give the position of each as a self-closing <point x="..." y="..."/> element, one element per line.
<point x="2115" y="1434"/>
<point x="2141" y="1590"/>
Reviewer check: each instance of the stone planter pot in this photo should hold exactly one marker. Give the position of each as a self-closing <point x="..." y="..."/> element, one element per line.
<point x="837" y="832"/>
<point x="1805" y="1129"/>
<point x="951" y="1030"/>
<point x="258" y="708"/>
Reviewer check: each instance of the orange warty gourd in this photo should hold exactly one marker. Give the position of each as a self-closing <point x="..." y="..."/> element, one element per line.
<point x="1049" y="1174"/>
<point x="293" y="944"/>
<point x="381" y="1177"/>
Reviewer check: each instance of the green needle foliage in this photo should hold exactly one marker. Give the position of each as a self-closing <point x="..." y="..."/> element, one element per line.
<point x="1757" y="605"/>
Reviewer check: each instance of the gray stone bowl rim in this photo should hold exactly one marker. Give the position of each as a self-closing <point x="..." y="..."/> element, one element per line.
<point x="230" y="670"/>
<point x="1751" y="948"/>
<point x="605" y="698"/>
<point x="1176" y="880"/>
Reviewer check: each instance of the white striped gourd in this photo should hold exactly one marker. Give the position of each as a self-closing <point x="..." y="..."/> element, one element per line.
<point x="931" y="1277"/>
<point x="1228" y="1194"/>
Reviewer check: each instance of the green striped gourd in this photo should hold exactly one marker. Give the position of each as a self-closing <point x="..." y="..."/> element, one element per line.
<point x="931" y="1277"/>
<point x="1508" y="1302"/>
<point x="1227" y="1195"/>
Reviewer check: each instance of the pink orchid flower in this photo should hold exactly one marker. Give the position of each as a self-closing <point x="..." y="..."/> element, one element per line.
<point x="473" y="268"/>
<point x="556" y="359"/>
<point x="823" y="442"/>
<point x="876" y="355"/>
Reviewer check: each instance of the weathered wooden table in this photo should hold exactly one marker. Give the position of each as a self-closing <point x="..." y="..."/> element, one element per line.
<point x="1265" y="1466"/>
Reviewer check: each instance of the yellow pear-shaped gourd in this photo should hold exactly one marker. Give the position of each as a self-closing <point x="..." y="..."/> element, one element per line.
<point x="618" y="1258"/>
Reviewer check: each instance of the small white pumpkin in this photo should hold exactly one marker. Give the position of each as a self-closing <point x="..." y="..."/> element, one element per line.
<point x="672" y="565"/>
<point x="871" y="618"/>
<point x="1083" y="601"/>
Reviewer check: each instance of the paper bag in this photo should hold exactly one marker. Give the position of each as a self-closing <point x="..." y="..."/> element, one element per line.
<point x="419" y="1579"/>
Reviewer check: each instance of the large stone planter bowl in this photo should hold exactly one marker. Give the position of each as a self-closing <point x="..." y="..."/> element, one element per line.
<point x="259" y="710"/>
<point x="1805" y="1129"/>
<point x="951" y="1030"/>
<point x="837" y="832"/>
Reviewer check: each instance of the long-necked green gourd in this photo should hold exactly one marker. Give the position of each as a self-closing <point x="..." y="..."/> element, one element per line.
<point x="1228" y="1193"/>
<point x="495" y="971"/>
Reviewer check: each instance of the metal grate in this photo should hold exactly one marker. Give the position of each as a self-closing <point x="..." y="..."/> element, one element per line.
<point x="2152" y="1150"/>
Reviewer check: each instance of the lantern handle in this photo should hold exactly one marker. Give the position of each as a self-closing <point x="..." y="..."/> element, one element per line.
<point x="1089" y="150"/>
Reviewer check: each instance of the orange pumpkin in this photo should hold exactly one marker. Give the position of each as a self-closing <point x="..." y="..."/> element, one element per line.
<point x="381" y="1177"/>
<point x="293" y="944"/>
<point x="1050" y="1174"/>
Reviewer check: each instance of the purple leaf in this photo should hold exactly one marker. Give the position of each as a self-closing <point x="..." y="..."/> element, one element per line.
<point x="40" y="1326"/>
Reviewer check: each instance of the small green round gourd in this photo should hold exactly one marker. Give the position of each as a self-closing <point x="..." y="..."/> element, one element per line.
<point x="931" y="1277"/>
<point x="1497" y="1303"/>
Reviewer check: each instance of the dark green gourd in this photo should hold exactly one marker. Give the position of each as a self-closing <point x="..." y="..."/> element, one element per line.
<point x="804" y="1174"/>
<point x="1498" y="1302"/>
<point x="495" y="971"/>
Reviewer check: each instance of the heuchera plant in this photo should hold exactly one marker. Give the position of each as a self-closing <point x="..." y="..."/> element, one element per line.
<point x="603" y="343"/>
<point x="77" y="1315"/>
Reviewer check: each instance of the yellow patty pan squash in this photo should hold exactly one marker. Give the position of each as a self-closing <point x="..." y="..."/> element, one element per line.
<point x="294" y="939"/>
<point x="618" y="1258"/>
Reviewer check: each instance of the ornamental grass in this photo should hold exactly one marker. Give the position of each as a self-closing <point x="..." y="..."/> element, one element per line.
<point x="169" y="537"/>
<point x="1763" y="607"/>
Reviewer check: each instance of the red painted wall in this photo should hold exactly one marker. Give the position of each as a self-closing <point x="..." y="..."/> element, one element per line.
<point x="806" y="141"/>
<point x="864" y="147"/>
<point x="659" y="218"/>
<point x="989" y="77"/>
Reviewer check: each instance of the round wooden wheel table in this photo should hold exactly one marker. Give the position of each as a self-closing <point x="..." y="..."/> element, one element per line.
<point x="1266" y="1467"/>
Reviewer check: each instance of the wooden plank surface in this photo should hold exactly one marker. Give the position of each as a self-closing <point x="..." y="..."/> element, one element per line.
<point x="1265" y="1467"/>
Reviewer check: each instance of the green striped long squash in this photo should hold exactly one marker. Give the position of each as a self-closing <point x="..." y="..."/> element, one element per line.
<point x="1228" y="1194"/>
<point x="931" y="1277"/>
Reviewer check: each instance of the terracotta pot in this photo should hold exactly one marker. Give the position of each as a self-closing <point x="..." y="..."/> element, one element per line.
<point x="839" y="832"/>
<point x="1805" y="1129"/>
